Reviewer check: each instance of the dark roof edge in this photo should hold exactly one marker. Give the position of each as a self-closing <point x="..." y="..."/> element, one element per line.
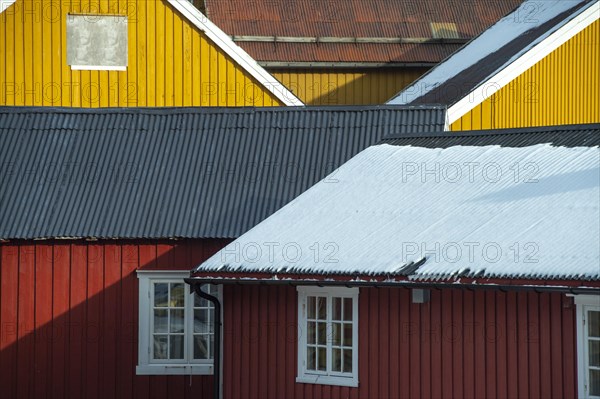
<point x="404" y="283"/>
<point x="174" y="110"/>
<point x="492" y="132"/>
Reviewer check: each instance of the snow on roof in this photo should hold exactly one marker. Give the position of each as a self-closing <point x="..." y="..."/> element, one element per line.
<point x="488" y="211"/>
<point x="503" y="40"/>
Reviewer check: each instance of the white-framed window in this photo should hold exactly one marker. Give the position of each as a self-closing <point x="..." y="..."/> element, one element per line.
<point x="176" y="327"/>
<point x="328" y="335"/>
<point x="588" y="345"/>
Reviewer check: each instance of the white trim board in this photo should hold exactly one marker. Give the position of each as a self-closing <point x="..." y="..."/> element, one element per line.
<point x="531" y="57"/>
<point x="223" y="41"/>
<point x="4" y="4"/>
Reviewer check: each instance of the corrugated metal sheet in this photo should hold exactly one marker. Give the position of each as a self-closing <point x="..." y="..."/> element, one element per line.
<point x="170" y="62"/>
<point x="491" y="51"/>
<point x="563" y="88"/>
<point x="461" y="344"/>
<point x="354" y="18"/>
<point x="190" y="172"/>
<point x="564" y="136"/>
<point x="485" y="211"/>
<point x="348" y="52"/>
<point x="69" y="313"/>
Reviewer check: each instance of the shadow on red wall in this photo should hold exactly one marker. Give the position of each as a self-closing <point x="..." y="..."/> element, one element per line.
<point x="69" y="315"/>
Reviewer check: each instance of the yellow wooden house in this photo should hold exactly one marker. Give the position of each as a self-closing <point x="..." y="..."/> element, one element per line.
<point x="538" y="66"/>
<point x="351" y="51"/>
<point x="125" y="53"/>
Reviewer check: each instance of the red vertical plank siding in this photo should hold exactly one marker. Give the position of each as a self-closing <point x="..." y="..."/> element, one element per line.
<point x="110" y="320"/>
<point x="69" y="311"/>
<point x="557" y="346"/>
<point x="60" y="319"/>
<point x="9" y="283"/>
<point x="522" y="344"/>
<point x="533" y="345"/>
<point x="569" y="338"/>
<point x="76" y="323"/>
<point x="43" y="316"/>
<point x="457" y="341"/>
<point x="435" y="338"/>
<point x="25" y="350"/>
<point x="394" y="348"/>
<point x="93" y="326"/>
<point x="489" y="334"/>
<point x="501" y="332"/>
<point x="447" y="337"/>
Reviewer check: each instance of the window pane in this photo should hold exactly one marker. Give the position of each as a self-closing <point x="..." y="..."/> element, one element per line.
<point x="347" y="361"/>
<point x="348" y="309"/>
<point x="201" y="321"/>
<point x="161" y="291"/>
<point x="337" y="359"/>
<point x="310" y="332"/>
<point x="177" y="295"/>
<point x="176" y="346"/>
<point x="594" y="382"/>
<point x="310" y="358"/>
<point x="336" y="334"/>
<point x="201" y="347"/>
<point x="347" y="334"/>
<point x="594" y="323"/>
<point x="322" y="333"/>
<point x="200" y="302"/>
<point x="176" y="321"/>
<point x="161" y="346"/>
<point x="337" y="309"/>
<point x="322" y="360"/>
<point x="310" y="307"/>
<point x="594" y="353"/>
<point x="160" y="320"/>
<point x="321" y="308"/>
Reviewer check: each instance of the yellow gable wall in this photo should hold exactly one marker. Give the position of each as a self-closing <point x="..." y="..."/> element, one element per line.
<point x="170" y="62"/>
<point x="346" y="85"/>
<point x="563" y="88"/>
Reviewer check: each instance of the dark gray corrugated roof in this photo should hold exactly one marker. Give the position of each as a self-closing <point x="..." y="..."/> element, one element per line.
<point x="584" y="135"/>
<point x="183" y="172"/>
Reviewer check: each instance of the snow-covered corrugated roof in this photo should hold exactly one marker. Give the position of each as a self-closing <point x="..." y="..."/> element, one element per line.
<point x="496" y="49"/>
<point x="433" y="213"/>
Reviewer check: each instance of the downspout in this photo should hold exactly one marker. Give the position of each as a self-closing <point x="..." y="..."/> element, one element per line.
<point x="217" y="336"/>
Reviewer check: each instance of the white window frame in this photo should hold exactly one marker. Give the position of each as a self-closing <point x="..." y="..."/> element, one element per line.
<point x="330" y="377"/>
<point x="584" y="303"/>
<point x="147" y="365"/>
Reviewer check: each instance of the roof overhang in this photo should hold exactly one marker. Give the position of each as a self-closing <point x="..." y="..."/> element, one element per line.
<point x="567" y="287"/>
<point x="534" y="55"/>
<point x="223" y="41"/>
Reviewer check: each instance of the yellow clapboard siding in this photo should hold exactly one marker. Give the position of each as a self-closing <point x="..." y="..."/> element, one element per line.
<point x="563" y="88"/>
<point x="346" y="86"/>
<point x="170" y="62"/>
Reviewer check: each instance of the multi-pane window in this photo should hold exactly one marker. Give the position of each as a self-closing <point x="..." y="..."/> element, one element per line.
<point x="328" y="328"/>
<point x="176" y="327"/>
<point x="593" y="350"/>
<point x="588" y="342"/>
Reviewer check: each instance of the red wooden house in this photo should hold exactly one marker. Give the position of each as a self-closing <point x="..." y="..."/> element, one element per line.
<point x="450" y="265"/>
<point x="96" y="202"/>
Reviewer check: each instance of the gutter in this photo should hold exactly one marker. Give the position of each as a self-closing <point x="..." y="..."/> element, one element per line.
<point x="344" y="64"/>
<point x="406" y="284"/>
<point x="197" y="287"/>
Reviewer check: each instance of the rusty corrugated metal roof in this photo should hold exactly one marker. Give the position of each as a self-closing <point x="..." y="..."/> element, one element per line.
<point x="352" y="18"/>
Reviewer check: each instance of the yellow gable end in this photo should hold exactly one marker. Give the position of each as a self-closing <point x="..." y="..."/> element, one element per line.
<point x="563" y="88"/>
<point x="169" y="61"/>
